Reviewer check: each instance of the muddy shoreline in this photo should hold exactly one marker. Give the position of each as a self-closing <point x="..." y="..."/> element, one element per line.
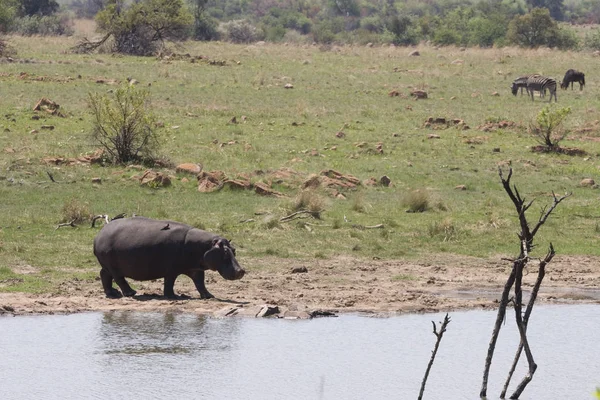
<point x="338" y="285"/>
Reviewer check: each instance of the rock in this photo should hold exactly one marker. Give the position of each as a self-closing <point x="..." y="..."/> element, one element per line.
<point x="385" y="181"/>
<point x="97" y="180"/>
<point x="340" y="134"/>
<point x="226" y="312"/>
<point x="264" y="190"/>
<point x="48" y="127"/>
<point x="433" y="136"/>
<point x="299" y="270"/>
<point x="322" y="313"/>
<point x="238" y="184"/>
<point x="495" y="94"/>
<point x="414" y="53"/>
<point x="189" y="168"/>
<point x="289" y="314"/>
<point x="288" y="86"/>
<point x="46" y="105"/>
<point x="419" y="94"/>
<point x="587" y="182"/>
<point x="458" y="61"/>
<point x="184" y="180"/>
<point x="461" y="187"/>
<point x="151" y="178"/>
<point x="267" y="311"/>
<point x="251" y="311"/>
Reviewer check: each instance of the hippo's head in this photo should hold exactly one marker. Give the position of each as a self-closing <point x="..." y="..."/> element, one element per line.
<point x="221" y="258"/>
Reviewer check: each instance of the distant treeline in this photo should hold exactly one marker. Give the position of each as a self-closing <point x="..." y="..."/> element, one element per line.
<point x="484" y="23"/>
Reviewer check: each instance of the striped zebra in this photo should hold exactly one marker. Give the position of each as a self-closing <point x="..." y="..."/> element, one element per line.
<point x="540" y="84"/>
<point x="521" y="82"/>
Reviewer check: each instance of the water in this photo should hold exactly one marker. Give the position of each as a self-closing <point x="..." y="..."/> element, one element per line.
<point x="169" y="355"/>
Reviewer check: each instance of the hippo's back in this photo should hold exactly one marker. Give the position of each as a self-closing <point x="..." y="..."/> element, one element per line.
<point x="141" y="248"/>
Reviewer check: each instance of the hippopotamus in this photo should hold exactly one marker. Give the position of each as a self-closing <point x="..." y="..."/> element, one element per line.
<point x="143" y="249"/>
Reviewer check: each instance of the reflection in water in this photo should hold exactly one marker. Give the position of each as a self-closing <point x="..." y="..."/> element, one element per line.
<point x="170" y="355"/>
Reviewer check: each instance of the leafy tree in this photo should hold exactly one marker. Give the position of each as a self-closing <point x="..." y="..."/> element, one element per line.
<point x="139" y="28"/>
<point x="484" y="32"/>
<point x="534" y="29"/>
<point x="555" y="7"/>
<point x="205" y="27"/>
<point x="37" y="7"/>
<point x="87" y="8"/>
<point x="345" y="8"/>
<point x="403" y="30"/>
<point x="8" y="10"/>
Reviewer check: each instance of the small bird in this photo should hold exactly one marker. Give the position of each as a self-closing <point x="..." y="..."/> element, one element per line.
<point x="165" y="228"/>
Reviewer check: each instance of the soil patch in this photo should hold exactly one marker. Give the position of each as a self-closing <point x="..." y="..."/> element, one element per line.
<point x="341" y="284"/>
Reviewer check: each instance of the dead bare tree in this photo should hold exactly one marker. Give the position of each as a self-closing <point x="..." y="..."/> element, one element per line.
<point x="434" y="352"/>
<point x="526" y="237"/>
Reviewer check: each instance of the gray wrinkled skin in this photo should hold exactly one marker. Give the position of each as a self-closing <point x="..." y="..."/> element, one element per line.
<point x="145" y="249"/>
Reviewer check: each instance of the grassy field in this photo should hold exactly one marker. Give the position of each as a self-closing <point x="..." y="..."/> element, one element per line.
<point x="334" y="89"/>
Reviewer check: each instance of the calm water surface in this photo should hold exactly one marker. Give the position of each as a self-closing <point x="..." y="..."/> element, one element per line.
<point x="156" y="355"/>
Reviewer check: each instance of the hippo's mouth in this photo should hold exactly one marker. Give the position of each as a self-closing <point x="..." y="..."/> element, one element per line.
<point x="232" y="274"/>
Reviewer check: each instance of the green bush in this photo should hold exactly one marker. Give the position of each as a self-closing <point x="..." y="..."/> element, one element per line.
<point x="446" y="37"/>
<point x="50" y="25"/>
<point x="416" y="201"/>
<point x="239" y="31"/>
<point x="592" y="40"/>
<point x="565" y="39"/>
<point x="548" y="126"/>
<point x="124" y="126"/>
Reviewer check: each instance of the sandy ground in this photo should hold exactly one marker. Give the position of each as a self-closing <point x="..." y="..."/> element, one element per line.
<point x="338" y="285"/>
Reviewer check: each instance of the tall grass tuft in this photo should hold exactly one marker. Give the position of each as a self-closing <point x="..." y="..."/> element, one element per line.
<point x="417" y="201"/>
<point x="75" y="211"/>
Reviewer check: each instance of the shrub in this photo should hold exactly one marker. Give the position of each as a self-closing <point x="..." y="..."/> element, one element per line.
<point x="444" y="228"/>
<point x="592" y="40"/>
<point x="564" y="38"/>
<point x="416" y="201"/>
<point x="50" y="25"/>
<point x="74" y="211"/>
<point x="446" y="37"/>
<point x="309" y="200"/>
<point x="239" y="31"/>
<point x="140" y="28"/>
<point x="548" y="129"/>
<point x="123" y="125"/>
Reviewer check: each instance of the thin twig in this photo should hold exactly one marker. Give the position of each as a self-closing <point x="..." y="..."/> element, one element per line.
<point x="434" y="352"/>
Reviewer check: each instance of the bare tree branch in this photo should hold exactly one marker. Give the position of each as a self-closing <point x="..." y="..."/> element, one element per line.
<point x="434" y="352"/>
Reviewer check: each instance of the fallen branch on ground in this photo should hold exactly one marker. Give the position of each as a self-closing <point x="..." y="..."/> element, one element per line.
<point x="71" y="224"/>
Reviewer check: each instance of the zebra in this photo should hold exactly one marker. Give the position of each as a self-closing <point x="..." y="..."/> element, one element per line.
<point x="573" y="76"/>
<point x="540" y="84"/>
<point x="521" y="82"/>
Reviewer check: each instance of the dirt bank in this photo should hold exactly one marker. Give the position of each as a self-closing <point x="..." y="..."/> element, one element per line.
<point x="342" y="284"/>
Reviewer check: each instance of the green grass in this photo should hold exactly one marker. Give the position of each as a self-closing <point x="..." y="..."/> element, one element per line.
<point x="345" y="89"/>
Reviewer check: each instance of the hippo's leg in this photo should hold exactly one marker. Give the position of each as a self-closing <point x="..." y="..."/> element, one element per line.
<point x="125" y="288"/>
<point x="168" y="287"/>
<point x="109" y="290"/>
<point x="198" y="278"/>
